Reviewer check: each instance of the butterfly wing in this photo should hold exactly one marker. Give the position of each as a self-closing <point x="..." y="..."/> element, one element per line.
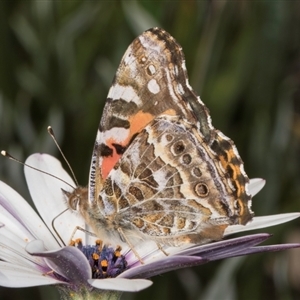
<point x="167" y="187"/>
<point x="151" y="80"/>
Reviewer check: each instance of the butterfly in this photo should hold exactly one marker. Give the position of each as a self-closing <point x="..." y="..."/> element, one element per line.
<point x="160" y="171"/>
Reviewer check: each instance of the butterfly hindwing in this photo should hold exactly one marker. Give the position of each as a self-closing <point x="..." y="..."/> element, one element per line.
<point x="165" y="186"/>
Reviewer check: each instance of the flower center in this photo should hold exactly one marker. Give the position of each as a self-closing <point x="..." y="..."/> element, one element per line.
<point x="105" y="261"/>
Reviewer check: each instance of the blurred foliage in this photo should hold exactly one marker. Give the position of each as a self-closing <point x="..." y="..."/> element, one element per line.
<point x="58" y="58"/>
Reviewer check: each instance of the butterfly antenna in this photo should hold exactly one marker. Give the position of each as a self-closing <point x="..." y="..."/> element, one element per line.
<point x="53" y="225"/>
<point x="6" y="154"/>
<point x="51" y="132"/>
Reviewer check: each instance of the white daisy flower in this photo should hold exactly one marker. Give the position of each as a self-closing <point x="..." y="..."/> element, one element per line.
<point x="33" y="249"/>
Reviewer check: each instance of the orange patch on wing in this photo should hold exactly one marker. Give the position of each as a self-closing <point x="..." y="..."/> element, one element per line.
<point x="235" y="169"/>
<point x="137" y="122"/>
<point x="108" y="162"/>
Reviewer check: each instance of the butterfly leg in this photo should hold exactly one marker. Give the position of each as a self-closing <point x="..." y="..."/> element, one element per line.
<point x="160" y="247"/>
<point x="48" y="273"/>
<point x="81" y="229"/>
<point x="123" y="236"/>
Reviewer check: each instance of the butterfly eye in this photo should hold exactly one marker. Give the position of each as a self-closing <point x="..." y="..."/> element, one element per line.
<point x="201" y="189"/>
<point x="74" y="202"/>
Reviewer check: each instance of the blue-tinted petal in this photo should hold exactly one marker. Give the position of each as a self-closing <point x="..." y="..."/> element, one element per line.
<point x="68" y="262"/>
<point x="269" y="248"/>
<point x="222" y="247"/>
<point x="169" y="263"/>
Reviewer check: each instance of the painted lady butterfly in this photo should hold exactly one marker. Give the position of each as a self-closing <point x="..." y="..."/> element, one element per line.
<point x="159" y="169"/>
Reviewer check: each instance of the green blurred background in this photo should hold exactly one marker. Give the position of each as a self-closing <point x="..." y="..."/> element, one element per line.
<point x="57" y="61"/>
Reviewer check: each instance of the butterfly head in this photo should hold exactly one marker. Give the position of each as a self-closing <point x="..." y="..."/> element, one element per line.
<point x="77" y="200"/>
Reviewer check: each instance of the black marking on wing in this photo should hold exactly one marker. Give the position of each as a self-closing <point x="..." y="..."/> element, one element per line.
<point x="113" y="122"/>
<point x="104" y="150"/>
<point x="119" y="148"/>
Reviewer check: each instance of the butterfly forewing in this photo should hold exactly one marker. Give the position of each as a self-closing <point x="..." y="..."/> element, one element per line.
<point x="151" y="80"/>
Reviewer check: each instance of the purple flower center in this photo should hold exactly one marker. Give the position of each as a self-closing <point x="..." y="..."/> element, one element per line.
<point x="105" y="261"/>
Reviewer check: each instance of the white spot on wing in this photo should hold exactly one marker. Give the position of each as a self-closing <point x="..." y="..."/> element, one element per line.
<point x="180" y="89"/>
<point x="119" y="134"/>
<point x="152" y="69"/>
<point x="176" y="70"/>
<point x="128" y="62"/>
<point x="153" y="86"/>
<point x="230" y="184"/>
<point x="128" y="56"/>
<point x="126" y="93"/>
<point x="160" y="177"/>
<point x="149" y="44"/>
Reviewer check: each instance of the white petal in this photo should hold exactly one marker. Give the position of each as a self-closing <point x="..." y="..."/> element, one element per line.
<point x="120" y="284"/>
<point x="13" y="253"/>
<point x="48" y="197"/>
<point x="262" y="222"/>
<point x="255" y="185"/>
<point x="17" y="276"/>
<point x="17" y="215"/>
<point x="13" y="229"/>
